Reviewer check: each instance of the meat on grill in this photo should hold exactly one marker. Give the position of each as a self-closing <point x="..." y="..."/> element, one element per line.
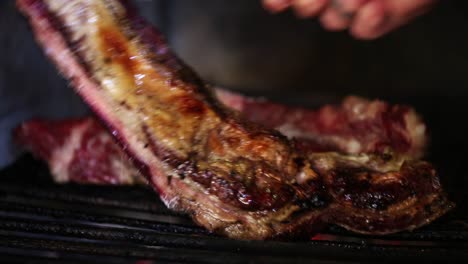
<point x="356" y="126"/>
<point x="78" y="150"/>
<point x="230" y="175"/>
<point x="82" y="151"/>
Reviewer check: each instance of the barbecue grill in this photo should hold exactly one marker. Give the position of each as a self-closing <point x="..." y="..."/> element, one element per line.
<point x="46" y="222"/>
<point x="87" y="224"/>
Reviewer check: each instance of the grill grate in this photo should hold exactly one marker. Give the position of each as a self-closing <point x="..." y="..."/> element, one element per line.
<point x="46" y="222"/>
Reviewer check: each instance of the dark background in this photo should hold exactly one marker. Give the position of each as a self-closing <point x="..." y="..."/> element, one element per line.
<point x="240" y="46"/>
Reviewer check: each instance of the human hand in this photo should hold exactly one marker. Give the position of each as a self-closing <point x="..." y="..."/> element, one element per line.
<point x="365" y="19"/>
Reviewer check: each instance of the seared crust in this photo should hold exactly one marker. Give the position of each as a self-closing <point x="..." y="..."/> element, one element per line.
<point x="380" y="195"/>
<point x="230" y="175"/>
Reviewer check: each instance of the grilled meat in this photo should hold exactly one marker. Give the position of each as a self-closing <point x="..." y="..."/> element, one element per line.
<point x="380" y="194"/>
<point x="232" y="176"/>
<point x="354" y="127"/>
<point x="81" y="150"/>
<point x="78" y="150"/>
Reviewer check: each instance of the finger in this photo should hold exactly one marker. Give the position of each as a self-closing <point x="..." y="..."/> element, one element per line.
<point x="276" y="6"/>
<point x="334" y="20"/>
<point x="395" y="14"/>
<point x="406" y="10"/>
<point x="371" y="21"/>
<point x="309" y="8"/>
<point x="349" y="6"/>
